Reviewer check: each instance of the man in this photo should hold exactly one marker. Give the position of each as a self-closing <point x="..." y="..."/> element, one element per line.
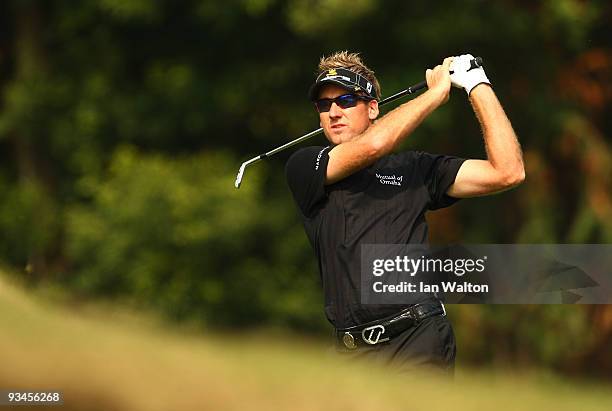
<point x="340" y="192"/>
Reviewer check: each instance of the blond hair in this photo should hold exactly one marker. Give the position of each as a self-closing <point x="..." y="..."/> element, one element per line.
<point x="350" y="61"/>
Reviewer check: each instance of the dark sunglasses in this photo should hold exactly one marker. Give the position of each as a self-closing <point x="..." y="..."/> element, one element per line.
<point x="344" y="101"/>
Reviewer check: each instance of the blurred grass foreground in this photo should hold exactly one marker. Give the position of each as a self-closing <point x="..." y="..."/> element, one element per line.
<point x="103" y="359"/>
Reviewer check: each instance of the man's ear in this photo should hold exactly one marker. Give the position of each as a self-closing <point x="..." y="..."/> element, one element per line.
<point x="373" y="110"/>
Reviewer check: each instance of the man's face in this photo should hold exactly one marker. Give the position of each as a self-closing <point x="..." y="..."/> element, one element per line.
<point x="343" y="124"/>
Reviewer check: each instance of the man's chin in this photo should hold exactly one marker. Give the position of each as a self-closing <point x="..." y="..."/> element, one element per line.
<point x="342" y="136"/>
<point x="339" y="136"/>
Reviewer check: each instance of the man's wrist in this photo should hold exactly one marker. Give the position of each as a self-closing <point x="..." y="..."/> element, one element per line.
<point x="480" y="89"/>
<point x="438" y="96"/>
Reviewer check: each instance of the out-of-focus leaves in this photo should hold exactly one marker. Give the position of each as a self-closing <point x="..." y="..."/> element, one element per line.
<point x="29" y="223"/>
<point x="175" y="234"/>
<point x="572" y="18"/>
<point x="524" y="335"/>
<point x="133" y="9"/>
<point x="311" y="17"/>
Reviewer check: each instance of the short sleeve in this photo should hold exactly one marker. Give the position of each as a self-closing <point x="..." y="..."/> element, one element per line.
<point x="305" y="171"/>
<point x="438" y="173"/>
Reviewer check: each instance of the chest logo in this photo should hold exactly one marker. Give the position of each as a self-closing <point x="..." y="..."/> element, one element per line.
<point x="392" y="180"/>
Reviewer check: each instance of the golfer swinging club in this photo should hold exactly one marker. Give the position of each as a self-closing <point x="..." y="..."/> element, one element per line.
<point x="343" y="202"/>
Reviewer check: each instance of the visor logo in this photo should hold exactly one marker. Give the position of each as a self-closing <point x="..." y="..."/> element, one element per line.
<point x="331" y="72"/>
<point x="328" y="77"/>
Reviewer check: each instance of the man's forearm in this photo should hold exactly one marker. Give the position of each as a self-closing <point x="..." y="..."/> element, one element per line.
<point x="501" y="144"/>
<point x="390" y="130"/>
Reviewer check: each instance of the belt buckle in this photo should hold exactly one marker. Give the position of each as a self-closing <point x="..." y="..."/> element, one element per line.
<point x="414" y="313"/>
<point x="349" y="341"/>
<point x="374" y="333"/>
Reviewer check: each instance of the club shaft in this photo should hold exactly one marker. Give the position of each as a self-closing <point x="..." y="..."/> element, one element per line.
<point x="400" y="94"/>
<point x="409" y="90"/>
<point x="476" y="62"/>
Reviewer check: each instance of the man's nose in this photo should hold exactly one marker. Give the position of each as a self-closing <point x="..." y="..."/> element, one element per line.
<point x="335" y="110"/>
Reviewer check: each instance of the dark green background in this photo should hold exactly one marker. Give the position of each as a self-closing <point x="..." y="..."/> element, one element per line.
<point x="123" y="123"/>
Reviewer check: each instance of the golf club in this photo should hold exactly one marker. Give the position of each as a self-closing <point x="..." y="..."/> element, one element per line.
<point x="476" y="62"/>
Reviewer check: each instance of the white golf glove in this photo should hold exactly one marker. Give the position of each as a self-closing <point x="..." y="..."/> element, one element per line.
<point x="465" y="78"/>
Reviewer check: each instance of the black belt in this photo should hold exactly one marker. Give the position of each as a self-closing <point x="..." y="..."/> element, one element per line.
<point x="379" y="331"/>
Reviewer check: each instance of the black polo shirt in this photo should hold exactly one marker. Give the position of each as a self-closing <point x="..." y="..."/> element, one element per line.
<point x="384" y="203"/>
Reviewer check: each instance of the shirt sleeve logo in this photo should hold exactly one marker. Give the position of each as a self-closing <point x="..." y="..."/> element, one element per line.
<point x="318" y="161"/>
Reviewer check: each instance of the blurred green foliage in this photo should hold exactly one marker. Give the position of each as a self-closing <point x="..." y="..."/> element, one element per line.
<point x="28" y="221"/>
<point x="123" y="123"/>
<point x="175" y="234"/>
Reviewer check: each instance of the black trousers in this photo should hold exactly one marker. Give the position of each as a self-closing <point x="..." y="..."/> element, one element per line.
<point x="428" y="345"/>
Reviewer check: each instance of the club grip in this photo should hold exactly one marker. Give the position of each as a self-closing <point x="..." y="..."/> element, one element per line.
<point x="476" y="62"/>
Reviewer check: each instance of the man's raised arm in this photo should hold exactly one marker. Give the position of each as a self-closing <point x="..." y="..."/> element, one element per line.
<point x="503" y="168"/>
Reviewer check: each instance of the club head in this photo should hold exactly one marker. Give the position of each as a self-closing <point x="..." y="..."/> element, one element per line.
<point x="239" y="175"/>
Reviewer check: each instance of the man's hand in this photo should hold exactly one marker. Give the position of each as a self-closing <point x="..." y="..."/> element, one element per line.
<point x="439" y="80"/>
<point x="465" y="78"/>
